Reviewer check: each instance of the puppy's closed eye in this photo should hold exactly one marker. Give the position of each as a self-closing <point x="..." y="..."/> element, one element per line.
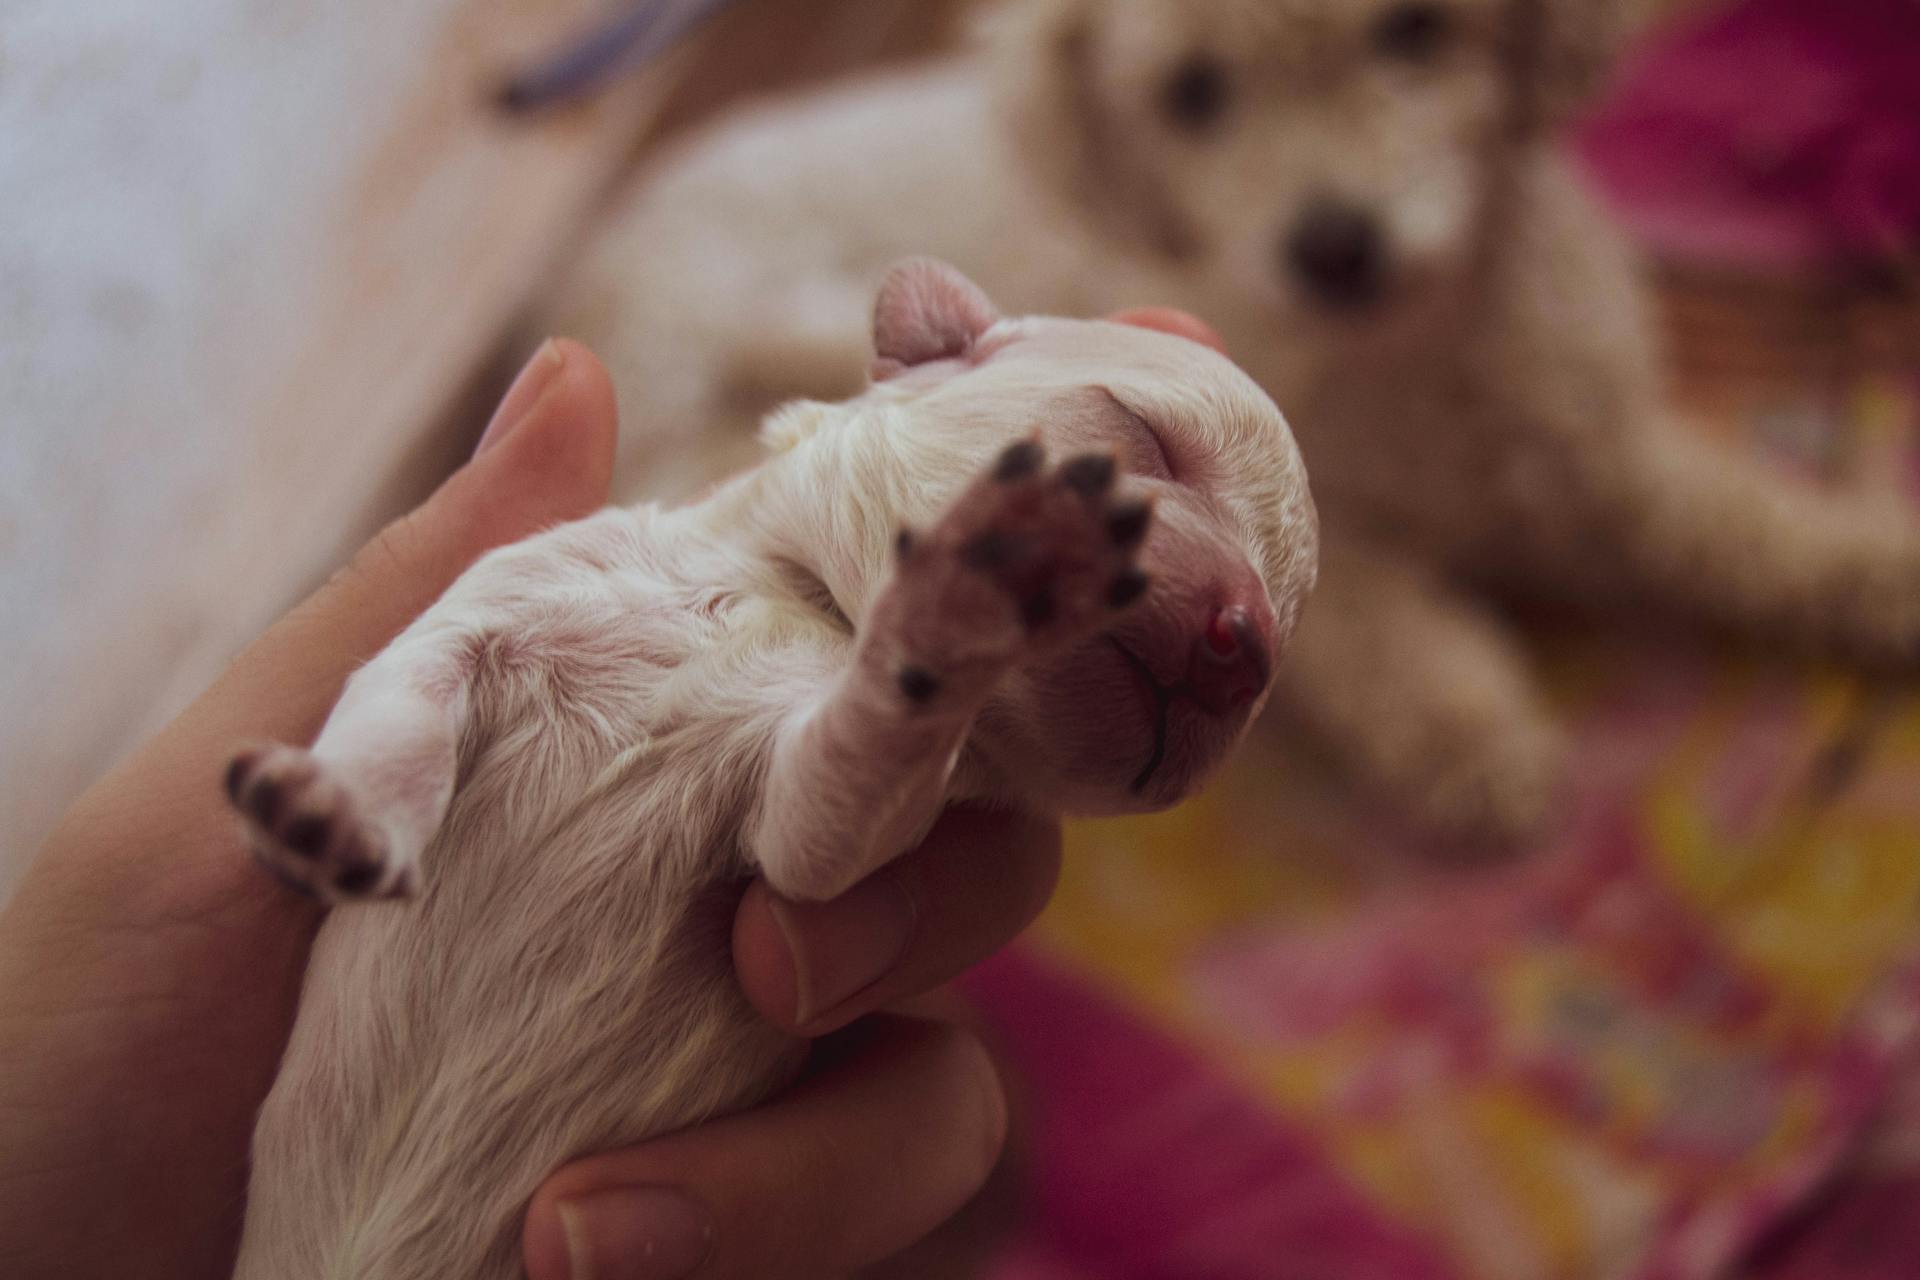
<point x="1141" y="448"/>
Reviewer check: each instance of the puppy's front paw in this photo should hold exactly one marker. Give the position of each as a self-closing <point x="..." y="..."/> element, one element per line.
<point x="1489" y="791"/>
<point x="304" y="828"/>
<point x="1028" y="560"/>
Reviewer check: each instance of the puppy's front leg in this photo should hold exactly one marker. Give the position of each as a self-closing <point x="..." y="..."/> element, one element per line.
<point x="348" y="819"/>
<point x="1718" y="534"/>
<point x="1424" y="693"/>
<point x="1026" y="561"/>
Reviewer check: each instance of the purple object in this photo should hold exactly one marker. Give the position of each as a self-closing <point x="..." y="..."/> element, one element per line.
<point x="645" y="29"/>
<point x="1779" y="133"/>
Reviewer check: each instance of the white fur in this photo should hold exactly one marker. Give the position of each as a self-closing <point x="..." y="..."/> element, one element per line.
<point x="1496" y="420"/>
<point x="576" y="756"/>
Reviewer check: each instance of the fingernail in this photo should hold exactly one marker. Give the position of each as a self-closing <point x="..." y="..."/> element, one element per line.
<point x="523" y="395"/>
<point x="635" y="1233"/>
<point x="841" y="948"/>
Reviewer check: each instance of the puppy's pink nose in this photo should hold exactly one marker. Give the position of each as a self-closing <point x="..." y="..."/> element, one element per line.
<point x="1231" y="661"/>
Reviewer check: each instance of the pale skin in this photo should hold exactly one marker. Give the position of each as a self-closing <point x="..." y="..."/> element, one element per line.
<point x="149" y="971"/>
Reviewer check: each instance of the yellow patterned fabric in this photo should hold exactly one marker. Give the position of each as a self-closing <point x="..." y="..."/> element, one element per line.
<point x="1623" y="1055"/>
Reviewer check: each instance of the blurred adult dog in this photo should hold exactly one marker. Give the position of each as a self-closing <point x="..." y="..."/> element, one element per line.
<point x="1371" y="200"/>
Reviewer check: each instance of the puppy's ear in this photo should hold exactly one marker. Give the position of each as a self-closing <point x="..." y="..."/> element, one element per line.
<point x="1564" y="52"/>
<point x="925" y="311"/>
<point x="1046" y="56"/>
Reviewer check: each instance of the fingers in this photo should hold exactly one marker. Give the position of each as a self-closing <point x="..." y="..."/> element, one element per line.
<point x="975" y="883"/>
<point x="849" y="1167"/>
<point x="1181" y="324"/>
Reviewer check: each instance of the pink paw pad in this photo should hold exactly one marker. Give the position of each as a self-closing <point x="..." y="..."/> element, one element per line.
<point x="1027" y="560"/>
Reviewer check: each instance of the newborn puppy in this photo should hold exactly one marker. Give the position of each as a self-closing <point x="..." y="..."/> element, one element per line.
<point x="572" y="761"/>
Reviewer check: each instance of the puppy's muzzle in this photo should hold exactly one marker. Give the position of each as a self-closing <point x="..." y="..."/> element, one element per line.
<point x="1231" y="661"/>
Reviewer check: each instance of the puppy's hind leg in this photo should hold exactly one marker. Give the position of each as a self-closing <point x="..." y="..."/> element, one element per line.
<point x="348" y="819"/>
<point x="1425" y="697"/>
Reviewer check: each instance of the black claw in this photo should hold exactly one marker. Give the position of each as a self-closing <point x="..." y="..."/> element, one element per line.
<point x="903" y="543"/>
<point x="918" y="684"/>
<point x="1127" y="523"/>
<point x="1127" y="586"/>
<point x="264" y="798"/>
<point x="1018" y="461"/>
<point x="992" y="550"/>
<point x="288" y="879"/>
<point x="1090" y="474"/>
<point x="306" y="836"/>
<point x="357" y="878"/>
<point x="237" y="776"/>
<point x="1037" y="609"/>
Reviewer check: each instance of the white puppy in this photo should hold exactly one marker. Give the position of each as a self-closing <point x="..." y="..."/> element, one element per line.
<point x="570" y="762"/>
<point x="1371" y="201"/>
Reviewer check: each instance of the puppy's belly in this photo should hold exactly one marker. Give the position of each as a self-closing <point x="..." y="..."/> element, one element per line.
<point x="436" y="1075"/>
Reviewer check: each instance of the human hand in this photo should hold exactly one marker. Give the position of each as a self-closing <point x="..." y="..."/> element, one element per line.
<point x="149" y="972"/>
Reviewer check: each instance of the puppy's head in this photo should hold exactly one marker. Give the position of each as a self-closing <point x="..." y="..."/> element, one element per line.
<point x="1330" y="156"/>
<point x="1136" y="717"/>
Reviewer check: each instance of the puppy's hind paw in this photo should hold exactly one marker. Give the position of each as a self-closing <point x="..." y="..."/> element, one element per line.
<point x="304" y="828"/>
<point x="1491" y="798"/>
